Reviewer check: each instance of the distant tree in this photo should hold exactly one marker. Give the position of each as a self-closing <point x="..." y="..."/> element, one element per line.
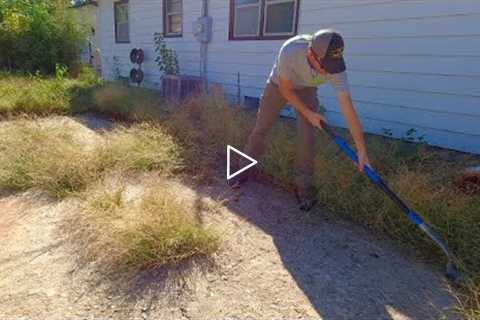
<point x="38" y="35"/>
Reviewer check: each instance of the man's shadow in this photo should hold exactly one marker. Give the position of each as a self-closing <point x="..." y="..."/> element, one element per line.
<point x="345" y="272"/>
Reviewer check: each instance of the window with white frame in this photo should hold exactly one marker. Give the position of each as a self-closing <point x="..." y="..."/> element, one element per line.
<point x="172" y="18"/>
<point x="263" y="19"/>
<point x="122" y="32"/>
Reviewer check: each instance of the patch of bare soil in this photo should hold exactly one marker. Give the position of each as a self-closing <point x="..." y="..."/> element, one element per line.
<point x="275" y="263"/>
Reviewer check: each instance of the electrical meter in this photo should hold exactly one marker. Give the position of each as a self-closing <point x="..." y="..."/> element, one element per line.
<point x="202" y="29"/>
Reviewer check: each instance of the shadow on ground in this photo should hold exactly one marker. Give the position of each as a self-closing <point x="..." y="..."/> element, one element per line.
<point x="345" y="272"/>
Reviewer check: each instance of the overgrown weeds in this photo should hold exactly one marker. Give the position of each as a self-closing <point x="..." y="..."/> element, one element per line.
<point x="132" y="104"/>
<point x="49" y="158"/>
<point x="423" y="176"/>
<point x="142" y="147"/>
<point x="34" y="154"/>
<point x="204" y="126"/>
<point x="149" y="230"/>
<point x="191" y="139"/>
<point x="41" y="96"/>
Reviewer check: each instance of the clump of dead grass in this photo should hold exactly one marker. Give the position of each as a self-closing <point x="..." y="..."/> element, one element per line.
<point x="141" y="147"/>
<point x="204" y="126"/>
<point x="468" y="299"/>
<point x="129" y="104"/>
<point x="148" y="230"/>
<point x="48" y="158"/>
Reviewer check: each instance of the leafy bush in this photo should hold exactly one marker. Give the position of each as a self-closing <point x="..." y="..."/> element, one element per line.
<point x="166" y="58"/>
<point x="38" y="35"/>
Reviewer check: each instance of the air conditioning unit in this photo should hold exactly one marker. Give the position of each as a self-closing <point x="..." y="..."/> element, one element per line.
<point x="180" y="87"/>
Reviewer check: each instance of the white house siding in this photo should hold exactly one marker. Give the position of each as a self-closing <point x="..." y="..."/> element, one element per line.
<point x="145" y="19"/>
<point x="412" y="63"/>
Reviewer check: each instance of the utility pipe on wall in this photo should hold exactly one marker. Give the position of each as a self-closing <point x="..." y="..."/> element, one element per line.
<point x="204" y="49"/>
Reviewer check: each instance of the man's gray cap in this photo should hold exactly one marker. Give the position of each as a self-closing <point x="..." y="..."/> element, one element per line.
<point x="328" y="46"/>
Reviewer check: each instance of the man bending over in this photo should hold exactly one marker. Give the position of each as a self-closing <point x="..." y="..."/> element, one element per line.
<point x="304" y="63"/>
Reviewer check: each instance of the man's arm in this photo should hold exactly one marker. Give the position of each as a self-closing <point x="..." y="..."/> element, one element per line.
<point x="346" y="105"/>
<point x="287" y="91"/>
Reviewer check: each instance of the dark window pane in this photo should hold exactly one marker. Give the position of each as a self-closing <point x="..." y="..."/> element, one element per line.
<point x="246" y="20"/>
<point x="121" y="22"/>
<point x="279" y="17"/>
<point x="174" y="6"/>
<point x="242" y="2"/>
<point x="122" y="32"/>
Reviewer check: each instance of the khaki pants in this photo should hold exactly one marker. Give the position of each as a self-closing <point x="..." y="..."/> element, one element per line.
<point x="271" y="104"/>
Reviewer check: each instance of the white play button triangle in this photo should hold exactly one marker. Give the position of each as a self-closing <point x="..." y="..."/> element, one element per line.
<point x="252" y="162"/>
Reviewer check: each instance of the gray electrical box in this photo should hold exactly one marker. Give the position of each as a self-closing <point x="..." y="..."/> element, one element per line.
<point x="202" y="29"/>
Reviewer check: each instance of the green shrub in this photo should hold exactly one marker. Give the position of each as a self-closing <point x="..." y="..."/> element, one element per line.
<point x="37" y="35"/>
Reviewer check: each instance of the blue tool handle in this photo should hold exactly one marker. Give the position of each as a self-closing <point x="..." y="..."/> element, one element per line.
<point x="414" y="218"/>
<point x="343" y="145"/>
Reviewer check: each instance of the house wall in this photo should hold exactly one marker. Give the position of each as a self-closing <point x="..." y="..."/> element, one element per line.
<point x="411" y="63"/>
<point x="145" y="19"/>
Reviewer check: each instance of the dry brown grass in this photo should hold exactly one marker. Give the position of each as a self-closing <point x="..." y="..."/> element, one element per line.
<point x="125" y="232"/>
<point x="114" y="232"/>
<point x="203" y="126"/>
<point x="48" y="158"/>
<point x="129" y="104"/>
<point x="468" y="299"/>
<point x="141" y="147"/>
<point x="424" y="177"/>
<point x="35" y="155"/>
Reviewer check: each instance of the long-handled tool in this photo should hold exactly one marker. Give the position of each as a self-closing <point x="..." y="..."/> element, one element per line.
<point x="451" y="270"/>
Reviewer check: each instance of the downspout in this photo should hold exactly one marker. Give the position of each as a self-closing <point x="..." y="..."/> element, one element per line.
<point x="204" y="50"/>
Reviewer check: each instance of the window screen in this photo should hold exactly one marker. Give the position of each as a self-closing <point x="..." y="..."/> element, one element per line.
<point x="122" y="32"/>
<point x="173" y="17"/>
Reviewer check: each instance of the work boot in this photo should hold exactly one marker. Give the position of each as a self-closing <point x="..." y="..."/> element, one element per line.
<point x="307" y="198"/>
<point x="239" y="180"/>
